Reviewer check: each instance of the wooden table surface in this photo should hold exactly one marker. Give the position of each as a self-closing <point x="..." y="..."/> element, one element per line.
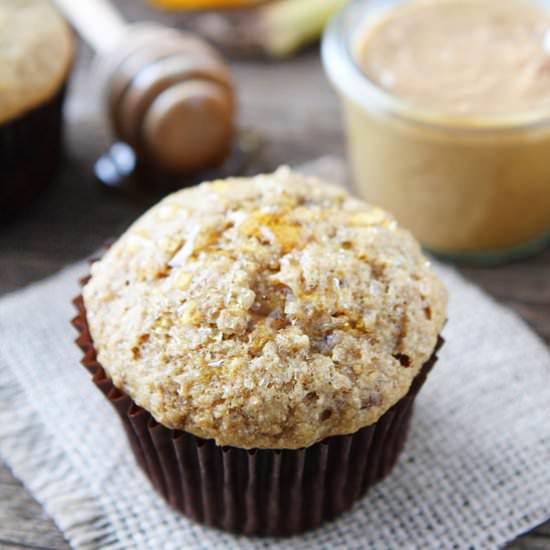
<point x="291" y="106"/>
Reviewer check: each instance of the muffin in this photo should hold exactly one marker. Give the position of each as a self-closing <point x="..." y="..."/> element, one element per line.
<point x="36" y="51"/>
<point x="263" y="340"/>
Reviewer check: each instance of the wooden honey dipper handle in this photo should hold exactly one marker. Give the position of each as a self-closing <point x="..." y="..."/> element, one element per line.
<point x="99" y="23"/>
<point x="168" y="94"/>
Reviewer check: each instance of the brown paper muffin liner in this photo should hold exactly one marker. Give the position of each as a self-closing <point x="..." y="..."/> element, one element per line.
<point x="256" y="492"/>
<point x="30" y="152"/>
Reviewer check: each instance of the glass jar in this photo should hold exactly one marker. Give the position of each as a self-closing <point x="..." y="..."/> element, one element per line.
<point x="472" y="188"/>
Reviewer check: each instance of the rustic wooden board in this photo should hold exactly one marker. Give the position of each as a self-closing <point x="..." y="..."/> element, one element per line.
<point x="291" y="106"/>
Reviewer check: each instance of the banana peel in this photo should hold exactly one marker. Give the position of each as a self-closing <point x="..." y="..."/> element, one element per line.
<point x="290" y="24"/>
<point x="276" y="28"/>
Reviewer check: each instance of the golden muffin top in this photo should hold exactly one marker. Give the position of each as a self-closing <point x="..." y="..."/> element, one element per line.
<point x="269" y="312"/>
<point x="36" y="51"/>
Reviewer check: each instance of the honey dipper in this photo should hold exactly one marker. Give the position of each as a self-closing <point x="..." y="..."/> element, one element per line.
<point x="167" y="93"/>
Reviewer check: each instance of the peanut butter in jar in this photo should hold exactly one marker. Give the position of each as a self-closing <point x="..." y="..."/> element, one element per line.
<point x="447" y="108"/>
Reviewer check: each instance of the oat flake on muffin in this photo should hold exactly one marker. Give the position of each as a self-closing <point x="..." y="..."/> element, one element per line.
<point x="269" y="312"/>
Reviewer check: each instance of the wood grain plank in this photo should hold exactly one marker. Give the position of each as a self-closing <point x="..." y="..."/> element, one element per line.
<point x="534" y="541"/>
<point x="23" y="523"/>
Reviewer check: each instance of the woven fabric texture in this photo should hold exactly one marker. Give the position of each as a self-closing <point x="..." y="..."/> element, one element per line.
<point x="474" y="474"/>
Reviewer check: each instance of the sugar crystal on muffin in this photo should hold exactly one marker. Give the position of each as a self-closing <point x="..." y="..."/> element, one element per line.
<point x="266" y="312"/>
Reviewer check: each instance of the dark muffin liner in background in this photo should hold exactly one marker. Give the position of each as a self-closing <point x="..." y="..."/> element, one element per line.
<point x="257" y="492"/>
<point x="30" y="154"/>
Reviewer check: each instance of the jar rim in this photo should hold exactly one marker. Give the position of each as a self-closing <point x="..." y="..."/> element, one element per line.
<point x="347" y="77"/>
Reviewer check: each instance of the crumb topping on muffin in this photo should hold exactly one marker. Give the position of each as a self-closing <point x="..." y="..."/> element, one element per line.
<point x="36" y="51"/>
<point x="269" y="312"/>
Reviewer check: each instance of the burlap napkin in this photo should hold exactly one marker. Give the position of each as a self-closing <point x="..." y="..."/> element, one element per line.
<point x="475" y="472"/>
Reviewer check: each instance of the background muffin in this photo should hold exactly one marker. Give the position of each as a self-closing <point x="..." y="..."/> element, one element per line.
<point x="36" y="51"/>
<point x="273" y="313"/>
